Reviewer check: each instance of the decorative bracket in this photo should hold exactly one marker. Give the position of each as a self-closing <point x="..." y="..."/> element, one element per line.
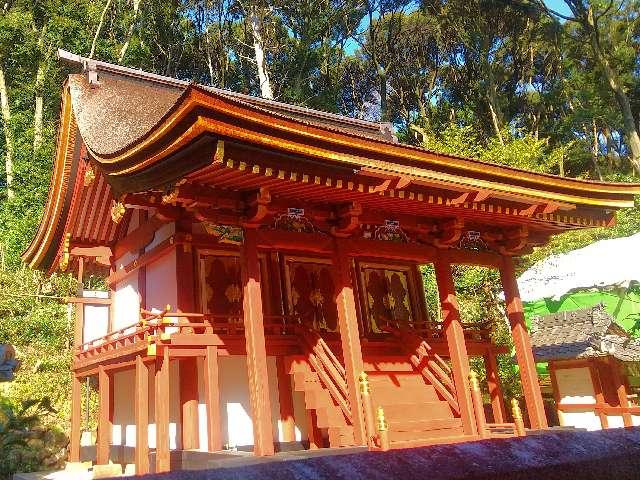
<point x="258" y="207"/>
<point x="348" y="220"/>
<point x="448" y="233"/>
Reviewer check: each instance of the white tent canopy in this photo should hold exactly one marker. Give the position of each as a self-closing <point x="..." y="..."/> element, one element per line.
<point x="605" y="263"/>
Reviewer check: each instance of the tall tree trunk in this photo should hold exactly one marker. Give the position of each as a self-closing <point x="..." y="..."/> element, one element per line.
<point x="125" y="45"/>
<point x="8" y="133"/>
<point x="43" y="60"/>
<point x="496" y="122"/>
<point x="39" y="100"/>
<point x="630" y="128"/>
<point x="258" y="46"/>
<point x="99" y="28"/>
<point x="384" y="107"/>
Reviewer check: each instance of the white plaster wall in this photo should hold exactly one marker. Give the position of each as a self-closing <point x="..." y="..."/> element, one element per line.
<point x="615" y="421"/>
<point x="161" y="282"/>
<point x="124" y="420"/>
<point x="126" y="303"/>
<point x="235" y="407"/>
<point x="575" y="386"/>
<point x="96" y="322"/>
<point x="95" y="317"/>
<point x="582" y="419"/>
<point x="635" y="419"/>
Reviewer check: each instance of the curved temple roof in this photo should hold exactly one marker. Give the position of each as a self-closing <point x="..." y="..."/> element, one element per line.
<point x="140" y="131"/>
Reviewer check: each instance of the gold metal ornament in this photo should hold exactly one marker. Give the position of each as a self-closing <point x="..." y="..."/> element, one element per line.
<point x="515" y="409"/>
<point x="64" y="256"/>
<point x="89" y="176"/>
<point x="473" y="380"/>
<point x="170" y="197"/>
<point x="233" y="293"/>
<point x="363" y="380"/>
<point x="117" y="212"/>
<point x="381" y="422"/>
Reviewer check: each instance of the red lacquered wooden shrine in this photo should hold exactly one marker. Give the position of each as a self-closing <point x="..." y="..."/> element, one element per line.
<point x="261" y="257"/>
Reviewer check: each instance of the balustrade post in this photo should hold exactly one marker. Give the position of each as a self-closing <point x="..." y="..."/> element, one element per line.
<point x="517" y="417"/>
<point x="478" y="406"/>
<point x="383" y="430"/>
<point x="367" y="407"/>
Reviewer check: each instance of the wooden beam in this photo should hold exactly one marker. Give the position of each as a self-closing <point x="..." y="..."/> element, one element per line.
<point x="212" y="399"/>
<point x="104" y="418"/>
<point x="522" y="344"/>
<point x="255" y="345"/>
<point x="141" y="411"/>
<point x="76" y="418"/>
<point x="456" y="344"/>
<point x="162" y="381"/>
<point x="349" y="337"/>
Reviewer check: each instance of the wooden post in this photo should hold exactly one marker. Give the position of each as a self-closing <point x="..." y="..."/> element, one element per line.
<point x="189" y="403"/>
<point x="104" y="417"/>
<point x="597" y="388"/>
<point x="621" y="391"/>
<point x="163" y="462"/>
<point x="76" y="418"/>
<point x="478" y="405"/>
<point x="212" y="399"/>
<point x="141" y="410"/>
<point x="456" y="344"/>
<point x="255" y="345"/>
<point x="285" y="396"/>
<point x="495" y="388"/>
<point x="522" y="344"/>
<point x="350" y="338"/>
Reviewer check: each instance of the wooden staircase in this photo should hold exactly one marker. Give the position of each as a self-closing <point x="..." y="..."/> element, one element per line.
<point x="416" y="414"/>
<point x="318" y="401"/>
<point x="414" y="389"/>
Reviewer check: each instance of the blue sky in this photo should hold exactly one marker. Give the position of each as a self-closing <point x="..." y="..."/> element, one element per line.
<point x="559" y="6"/>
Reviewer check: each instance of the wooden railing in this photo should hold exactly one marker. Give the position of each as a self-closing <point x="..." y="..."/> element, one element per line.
<point x="328" y="368"/>
<point x="435" y="331"/>
<point x="432" y="367"/>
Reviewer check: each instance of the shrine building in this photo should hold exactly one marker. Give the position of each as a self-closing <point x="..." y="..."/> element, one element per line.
<point x="260" y="257"/>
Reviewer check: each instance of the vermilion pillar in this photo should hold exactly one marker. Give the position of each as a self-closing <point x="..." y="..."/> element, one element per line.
<point x="163" y="463"/>
<point x="495" y="387"/>
<point x="104" y="417"/>
<point x="350" y="338"/>
<point x="621" y="391"/>
<point x="255" y="345"/>
<point x="141" y="410"/>
<point x="212" y="399"/>
<point x="522" y="344"/>
<point x="456" y="344"/>
<point x="76" y="418"/>
<point x="286" y="403"/>
<point x="189" y="403"/>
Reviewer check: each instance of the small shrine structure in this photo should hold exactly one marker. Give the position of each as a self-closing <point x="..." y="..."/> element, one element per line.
<point x="261" y="257"/>
<point x="594" y="364"/>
